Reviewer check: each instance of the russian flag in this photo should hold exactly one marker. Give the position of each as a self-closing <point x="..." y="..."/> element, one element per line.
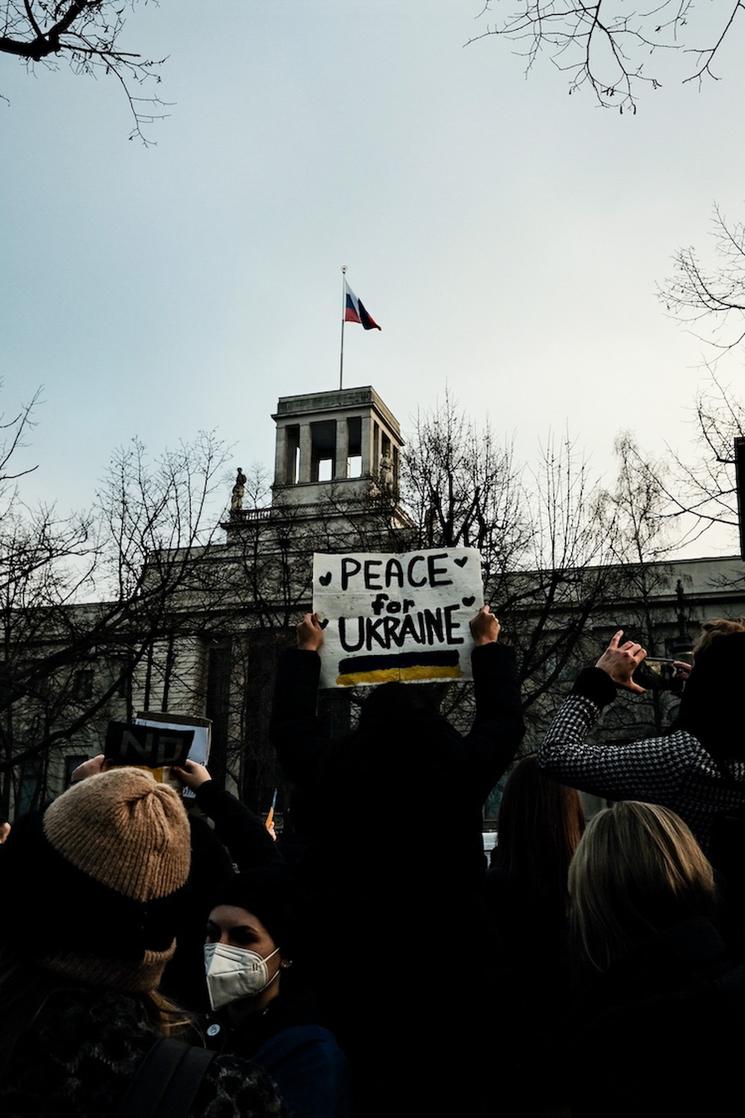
<point x="354" y="310"/>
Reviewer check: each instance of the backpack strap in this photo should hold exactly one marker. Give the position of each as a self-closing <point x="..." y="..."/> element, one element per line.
<point x="167" y="1080"/>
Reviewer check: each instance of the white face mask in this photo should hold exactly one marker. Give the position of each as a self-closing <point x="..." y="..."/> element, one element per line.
<point x="233" y="972"/>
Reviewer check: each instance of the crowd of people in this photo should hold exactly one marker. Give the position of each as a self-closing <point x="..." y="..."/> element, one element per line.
<point x="159" y="961"/>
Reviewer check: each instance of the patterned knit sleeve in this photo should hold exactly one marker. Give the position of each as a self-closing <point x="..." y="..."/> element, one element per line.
<point x="649" y="769"/>
<point x="236" y="1088"/>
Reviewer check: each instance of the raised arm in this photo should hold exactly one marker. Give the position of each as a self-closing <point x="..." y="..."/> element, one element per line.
<point x="295" y="730"/>
<point x="643" y="770"/>
<point x="498" y="726"/>
<point x="239" y="829"/>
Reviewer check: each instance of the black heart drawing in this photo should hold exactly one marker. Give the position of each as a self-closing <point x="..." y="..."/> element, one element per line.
<point x="324" y="623"/>
<point x="468" y="601"/>
<point x="326" y="579"/>
<point x="461" y="562"/>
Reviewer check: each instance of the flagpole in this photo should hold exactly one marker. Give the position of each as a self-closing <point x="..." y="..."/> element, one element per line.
<point x="343" y="316"/>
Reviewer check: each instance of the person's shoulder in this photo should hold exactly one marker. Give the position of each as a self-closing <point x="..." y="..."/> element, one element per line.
<point x="236" y="1088"/>
<point x="684" y="739"/>
<point x="107" y="1032"/>
<point x="294" y="1037"/>
<point x="691" y="755"/>
<point x="94" y="1012"/>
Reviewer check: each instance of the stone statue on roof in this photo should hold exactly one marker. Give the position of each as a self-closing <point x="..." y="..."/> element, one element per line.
<point x="236" y="496"/>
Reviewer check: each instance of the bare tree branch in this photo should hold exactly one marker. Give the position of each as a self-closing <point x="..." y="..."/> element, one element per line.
<point x="603" y="46"/>
<point x="86" y="34"/>
<point x="713" y="295"/>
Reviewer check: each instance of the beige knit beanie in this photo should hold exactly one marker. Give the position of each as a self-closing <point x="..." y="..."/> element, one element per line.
<point x="107" y="861"/>
<point x="124" y="830"/>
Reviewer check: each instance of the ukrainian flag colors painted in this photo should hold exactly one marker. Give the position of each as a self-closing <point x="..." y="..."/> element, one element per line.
<point x="398" y="675"/>
<point x="412" y="666"/>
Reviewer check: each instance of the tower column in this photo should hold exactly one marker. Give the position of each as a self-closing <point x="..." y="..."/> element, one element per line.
<point x="305" y="452"/>
<point x="342" y="448"/>
<point x="367" y="451"/>
<point x="280" y="457"/>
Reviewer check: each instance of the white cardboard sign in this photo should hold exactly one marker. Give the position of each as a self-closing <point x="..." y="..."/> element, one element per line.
<point x="396" y="617"/>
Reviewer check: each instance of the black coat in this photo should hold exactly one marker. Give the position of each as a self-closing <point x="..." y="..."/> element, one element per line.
<point x="529" y="981"/>
<point x="392" y="818"/>
<point x="397" y="805"/>
<point x="301" y="1057"/>
<point x="662" y="1031"/>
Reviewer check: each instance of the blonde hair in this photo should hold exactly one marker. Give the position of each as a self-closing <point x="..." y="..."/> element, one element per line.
<point x="637" y="870"/>
<point x="719" y="627"/>
<point x="169" y="1018"/>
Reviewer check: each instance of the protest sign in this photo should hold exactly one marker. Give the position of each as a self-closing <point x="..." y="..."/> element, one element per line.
<point x="153" y="748"/>
<point x="396" y="617"/>
<point x="201" y="729"/>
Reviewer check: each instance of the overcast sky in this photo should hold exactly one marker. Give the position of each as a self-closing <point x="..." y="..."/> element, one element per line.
<point x="507" y="237"/>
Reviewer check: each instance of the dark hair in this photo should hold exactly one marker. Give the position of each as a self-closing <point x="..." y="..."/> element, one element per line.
<point x="712" y="706"/>
<point x="540" y="825"/>
<point x="268" y="892"/>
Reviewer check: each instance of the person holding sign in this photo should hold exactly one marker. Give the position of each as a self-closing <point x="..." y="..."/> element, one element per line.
<point x="95" y="885"/>
<point x="391" y="818"/>
<point x="183" y="979"/>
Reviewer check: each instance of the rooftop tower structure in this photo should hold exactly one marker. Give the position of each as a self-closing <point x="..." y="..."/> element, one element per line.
<point x="337" y="457"/>
<point x="345" y="439"/>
